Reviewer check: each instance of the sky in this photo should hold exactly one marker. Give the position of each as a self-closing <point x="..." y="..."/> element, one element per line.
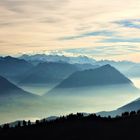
<point x="103" y="29"/>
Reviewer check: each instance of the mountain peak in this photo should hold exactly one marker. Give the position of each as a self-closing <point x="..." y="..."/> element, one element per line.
<point x="104" y="75"/>
<point x="107" y="65"/>
<point x="8" y="57"/>
<point x="49" y="72"/>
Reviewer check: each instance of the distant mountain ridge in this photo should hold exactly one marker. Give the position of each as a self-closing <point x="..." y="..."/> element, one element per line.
<point x="49" y="73"/>
<point x="99" y="81"/>
<point x="8" y="89"/>
<point x="122" y="66"/>
<point x="16" y="102"/>
<point x="104" y="75"/>
<point x="37" y="58"/>
<point x="11" y="67"/>
<point x="132" y="106"/>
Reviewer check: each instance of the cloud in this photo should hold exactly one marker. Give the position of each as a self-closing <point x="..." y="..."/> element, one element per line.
<point x="104" y="50"/>
<point x="17" y="5"/>
<point x="36" y="25"/>
<point x="121" y="39"/>
<point x="89" y="34"/>
<point x="129" y="23"/>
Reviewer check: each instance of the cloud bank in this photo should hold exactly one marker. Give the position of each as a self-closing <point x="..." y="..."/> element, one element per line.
<point x="99" y="26"/>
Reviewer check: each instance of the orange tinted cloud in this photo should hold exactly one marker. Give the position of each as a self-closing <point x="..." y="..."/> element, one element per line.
<point x="33" y="26"/>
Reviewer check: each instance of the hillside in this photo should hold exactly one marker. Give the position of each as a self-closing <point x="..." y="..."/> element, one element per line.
<point x="73" y="127"/>
<point x="132" y="106"/>
<point x="105" y="75"/>
<point x="9" y="90"/>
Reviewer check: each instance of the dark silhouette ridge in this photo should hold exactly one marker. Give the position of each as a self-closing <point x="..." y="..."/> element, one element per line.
<point x="37" y="58"/>
<point x="15" y="101"/>
<point x="105" y="79"/>
<point x="77" y="127"/>
<point x="49" y="73"/>
<point x="133" y="105"/>
<point x="13" y="68"/>
<point x="8" y="89"/>
<point x="104" y="75"/>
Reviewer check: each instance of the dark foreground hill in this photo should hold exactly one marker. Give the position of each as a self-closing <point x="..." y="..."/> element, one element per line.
<point x="77" y="127"/>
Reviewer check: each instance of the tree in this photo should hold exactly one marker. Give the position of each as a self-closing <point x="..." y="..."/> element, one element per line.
<point x="125" y="114"/>
<point x="6" y="126"/>
<point x="132" y="113"/>
<point x="19" y="124"/>
<point x="138" y="112"/>
<point x="37" y="122"/>
<point x="29" y="123"/>
<point x="109" y="117"/>
<point x="24" y="123"/>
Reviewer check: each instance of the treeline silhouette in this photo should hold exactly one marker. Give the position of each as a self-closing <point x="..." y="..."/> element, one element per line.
<point x="76" y="126"/>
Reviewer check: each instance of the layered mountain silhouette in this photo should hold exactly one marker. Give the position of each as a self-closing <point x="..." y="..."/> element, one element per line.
<point x="99" y="78"/>
<point x="37" y="58"/>
<point x="86" y="66"/>
<point x="132" y="106"/>
<point x="122" y="66"/>
<point x="49" y="73"/>
<point x="10" y="91"/>
<point x="77" y="126"/>
<point x="16" y="102"/>
<point x="12" y="68"/>
<point x="105" y="75"/>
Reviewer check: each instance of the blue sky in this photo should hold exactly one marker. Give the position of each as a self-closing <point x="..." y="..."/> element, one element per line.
<point x="102" y="29"/>
<point x="129" y="23"/>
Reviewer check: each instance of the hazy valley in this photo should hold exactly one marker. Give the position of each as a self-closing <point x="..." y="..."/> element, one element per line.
<point x="59" y="87"/>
